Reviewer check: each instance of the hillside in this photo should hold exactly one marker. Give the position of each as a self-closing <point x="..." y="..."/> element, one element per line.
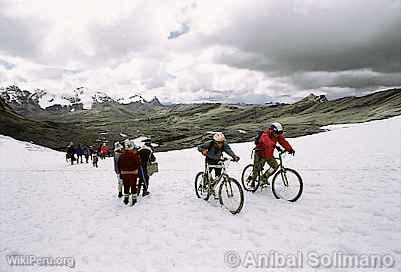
<point x="186" y="125"/>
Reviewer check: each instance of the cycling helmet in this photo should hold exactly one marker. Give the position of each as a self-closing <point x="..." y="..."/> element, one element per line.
<point x="277" y="127"/>
<point x="219" y="137"/>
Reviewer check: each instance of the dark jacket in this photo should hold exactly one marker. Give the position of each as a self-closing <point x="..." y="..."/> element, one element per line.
<point x="214" y="153"/>
<point x="70" y="150"/>
<point x="146" y="155"/>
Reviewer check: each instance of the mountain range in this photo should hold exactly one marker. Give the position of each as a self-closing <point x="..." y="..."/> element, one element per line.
<point x="54" y="121"/>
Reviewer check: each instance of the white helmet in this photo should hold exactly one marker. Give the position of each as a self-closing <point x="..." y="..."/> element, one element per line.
<point x="219" y="137"/>
<point x="277" y="127"/>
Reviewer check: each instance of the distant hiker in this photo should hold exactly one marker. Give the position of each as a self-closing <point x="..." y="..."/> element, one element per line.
<point x="79" y="153"/>
<point x="265" y="144"/>
<point x="86" y="153"/>
<point x="91" y="152"/>
<point x="213" y="151"/>
<point x="99" y="151"/>
<point x="104" y="151"/>
<point x="118" y="149"/>
<point x="147" y="156"/>
<point x="95" y="160"/>
<point x="128" y="165"/>
<point x="70" y="153"/>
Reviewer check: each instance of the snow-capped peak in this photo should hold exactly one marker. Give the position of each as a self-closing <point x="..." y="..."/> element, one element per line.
<point x="132" y="99"/>
<point x="82" y="95"/>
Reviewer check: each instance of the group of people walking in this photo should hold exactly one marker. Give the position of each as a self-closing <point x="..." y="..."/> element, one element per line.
<point x="131" y="165"/>
<point x="76" y="153"/>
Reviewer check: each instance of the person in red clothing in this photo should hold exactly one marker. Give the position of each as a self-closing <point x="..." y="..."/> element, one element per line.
<point x="128" y="165"/>
<point x="265" y="144"/>
<point x="104" y="151"/>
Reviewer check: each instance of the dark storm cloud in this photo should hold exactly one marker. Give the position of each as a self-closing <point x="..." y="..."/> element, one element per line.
<point x="284" y="40"/>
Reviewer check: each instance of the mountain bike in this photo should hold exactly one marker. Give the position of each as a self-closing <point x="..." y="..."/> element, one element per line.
<point x="230" y="193"/>
<point x="286" y="184"/>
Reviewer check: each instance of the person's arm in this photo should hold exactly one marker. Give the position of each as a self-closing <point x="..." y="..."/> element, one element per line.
<point x="152" y="157"/>
<point x="203" y="148"/>
<point x="284" y="143"/>
<point x="116" y="159"/>
<point x="119" y="164"/>
<point x="230" y="152"/>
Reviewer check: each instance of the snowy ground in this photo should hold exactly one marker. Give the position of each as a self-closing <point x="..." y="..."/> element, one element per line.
<point x="351" y="203"/>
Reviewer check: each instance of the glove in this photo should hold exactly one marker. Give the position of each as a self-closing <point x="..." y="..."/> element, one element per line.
<point x="291" y="152"/>
<point x="236" y="158"/>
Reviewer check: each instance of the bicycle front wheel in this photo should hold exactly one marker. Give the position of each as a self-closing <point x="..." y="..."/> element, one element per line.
<point x="287" y="184"/>
<point x="231" y="195"/>
<point x="249" y="183"/>
<point x="202" y="189"/>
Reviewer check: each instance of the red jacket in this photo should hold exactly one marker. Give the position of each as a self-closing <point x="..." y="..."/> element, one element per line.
<point x="104" y="149"/>
<point x="267" y="143"/>
<point x="128" y="163"/>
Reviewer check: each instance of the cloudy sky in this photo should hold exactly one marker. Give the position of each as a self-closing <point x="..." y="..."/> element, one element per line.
<point x="202" y="50"/>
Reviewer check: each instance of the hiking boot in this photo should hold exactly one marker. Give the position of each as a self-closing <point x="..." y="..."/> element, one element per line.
<point x="145" y="193"/>
<point x="133" y="200"/>
<point x="126" y="200"/>
<point x="264" y="182"/>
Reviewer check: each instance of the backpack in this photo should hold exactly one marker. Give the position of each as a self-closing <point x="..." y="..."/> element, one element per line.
<point x="257" y="138"/>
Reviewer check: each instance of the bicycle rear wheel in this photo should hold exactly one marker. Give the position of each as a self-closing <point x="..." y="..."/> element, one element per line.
<point x="231" y="195"/>
<point x="248" y="182"/>
<point x="202" y="189"/>
<point x="287" y="184"/>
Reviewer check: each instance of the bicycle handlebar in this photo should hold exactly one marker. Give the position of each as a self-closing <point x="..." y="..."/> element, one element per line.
<point x="224" y="159"/>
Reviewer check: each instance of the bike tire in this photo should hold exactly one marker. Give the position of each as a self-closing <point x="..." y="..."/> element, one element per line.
<point x="233" y="183"/>
<point x="199" y="185"/>
<point x="245" y="180"/>
<point x="298" y="179"/>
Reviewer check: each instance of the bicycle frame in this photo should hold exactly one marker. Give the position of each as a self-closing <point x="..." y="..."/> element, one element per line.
<point x="280" y="168"/>
<point x="208" y="168"/>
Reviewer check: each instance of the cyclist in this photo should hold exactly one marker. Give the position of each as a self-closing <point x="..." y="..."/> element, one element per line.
<point x="265" y="145"/>
<point x="213" y="151"/>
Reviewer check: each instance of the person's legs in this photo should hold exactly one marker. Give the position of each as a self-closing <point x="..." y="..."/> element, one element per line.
<point x="120" y="186"/>
<point x="272" y="162"/>
<point x="258" y="164"/>
<point x="126" y="183"/>
<point x="145" y="181"/>
<point x="133" y="185"/>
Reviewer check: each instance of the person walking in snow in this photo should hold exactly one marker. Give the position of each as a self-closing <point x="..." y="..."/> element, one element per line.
<point x="266" y="142"/>
<point x="79" y="153"/>
<point x="118" y="148"/>
<point x="104" y="151"/>
<point x="95" y="160"/>
<point x="70" y="153"/>
<point x="86" y="153"/>
<point x="128" y="166"/>
<point x="147" y="156"/>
